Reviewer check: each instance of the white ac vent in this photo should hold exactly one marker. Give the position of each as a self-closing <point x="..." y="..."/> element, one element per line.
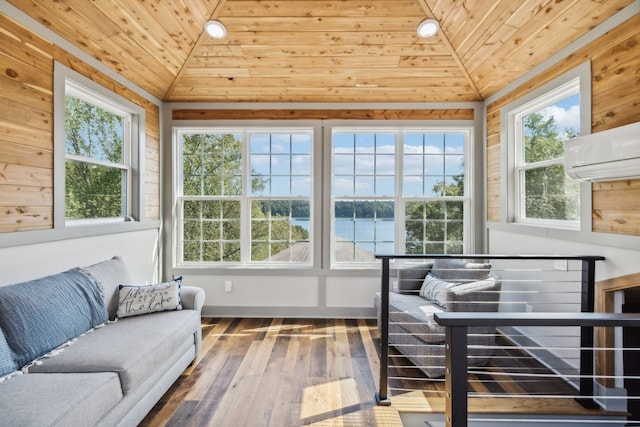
<point x="604" y="156"/>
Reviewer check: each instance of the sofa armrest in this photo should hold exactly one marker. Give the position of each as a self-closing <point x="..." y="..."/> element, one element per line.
<point x="192" y="298"/>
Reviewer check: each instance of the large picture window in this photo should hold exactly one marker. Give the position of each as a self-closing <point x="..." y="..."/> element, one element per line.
<point x="245" y="196"/>
<point x="397" y="191"/>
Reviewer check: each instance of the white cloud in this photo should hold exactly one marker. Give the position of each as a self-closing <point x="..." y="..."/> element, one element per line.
<point x="565" y="118"/>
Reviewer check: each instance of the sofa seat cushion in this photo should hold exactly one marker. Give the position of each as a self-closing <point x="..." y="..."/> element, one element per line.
<point x="58" y="399"/>
<point x="133" y="347"/>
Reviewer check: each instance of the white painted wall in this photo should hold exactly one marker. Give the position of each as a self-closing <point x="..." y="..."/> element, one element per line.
<point x="139" y="249"/>
<point x="257" y="291"/>
<point x="561" y="295"/>
<point x="277" y="294"/>
<point x="351" y="291"/>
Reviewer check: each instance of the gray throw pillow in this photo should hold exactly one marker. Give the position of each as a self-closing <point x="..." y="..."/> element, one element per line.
<point x="435" y="290"/>
<point x="460" y="270"/>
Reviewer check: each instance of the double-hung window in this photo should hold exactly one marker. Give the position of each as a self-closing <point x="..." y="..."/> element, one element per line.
<point x="398" y="191"/>
<point x="244" y="196"/>
<point x="543" y="194"/>
<point x="99" y="140"/>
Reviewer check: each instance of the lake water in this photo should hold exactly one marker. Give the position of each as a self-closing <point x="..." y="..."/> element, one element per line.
<point x="363" y="232"/>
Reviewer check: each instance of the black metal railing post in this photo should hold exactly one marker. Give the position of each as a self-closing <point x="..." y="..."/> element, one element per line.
<point x="587" y="354"/>
<point x="456" y="376"/>
<point x="382" y="397"/>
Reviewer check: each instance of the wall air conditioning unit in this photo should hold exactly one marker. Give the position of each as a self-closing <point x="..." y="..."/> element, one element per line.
<point x="604" y="156"/>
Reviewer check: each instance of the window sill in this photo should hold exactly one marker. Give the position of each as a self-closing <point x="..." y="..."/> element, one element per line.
<point x="74" y="232"/>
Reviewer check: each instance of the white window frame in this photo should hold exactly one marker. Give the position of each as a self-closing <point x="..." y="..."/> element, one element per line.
<point x="399" y="199"/>
<point x="576" y="81"/>
<point x="245" y="199"/>
<point x="69" y="82"/>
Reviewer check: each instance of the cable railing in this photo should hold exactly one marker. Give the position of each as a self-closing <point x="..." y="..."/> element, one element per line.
<point x="456" y="344"/>
<point x="553" y="367"/>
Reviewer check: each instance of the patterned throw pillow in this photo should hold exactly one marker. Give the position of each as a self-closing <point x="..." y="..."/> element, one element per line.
<point x="134" y="300"/>
<point x="435" y="290"/>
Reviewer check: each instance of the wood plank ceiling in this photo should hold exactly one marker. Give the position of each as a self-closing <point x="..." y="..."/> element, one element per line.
<point x="321" y="50"/>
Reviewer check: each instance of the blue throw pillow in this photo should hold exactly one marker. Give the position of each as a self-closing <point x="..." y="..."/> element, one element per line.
<point x="41" y="315"/>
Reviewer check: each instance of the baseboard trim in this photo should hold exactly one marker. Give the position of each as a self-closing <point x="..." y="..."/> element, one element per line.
<point x="291" y="312"/>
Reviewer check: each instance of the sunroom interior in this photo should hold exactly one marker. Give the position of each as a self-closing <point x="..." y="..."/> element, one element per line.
<point x="274" y="166"/>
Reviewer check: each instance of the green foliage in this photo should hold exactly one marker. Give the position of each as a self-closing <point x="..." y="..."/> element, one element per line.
<point x="549" y="194"/>
<point x="93" y="191"/>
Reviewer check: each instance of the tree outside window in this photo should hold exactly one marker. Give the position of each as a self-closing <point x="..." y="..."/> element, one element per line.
<point x="96" y="166"/>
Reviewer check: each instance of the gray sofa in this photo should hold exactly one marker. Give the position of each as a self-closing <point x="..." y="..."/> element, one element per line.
<point x="103" y="372"/>
<point x="459" y="286"/>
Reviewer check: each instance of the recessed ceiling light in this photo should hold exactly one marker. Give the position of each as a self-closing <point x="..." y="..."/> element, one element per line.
<point x="428" y="28"/>
<point x="215" y="29"/>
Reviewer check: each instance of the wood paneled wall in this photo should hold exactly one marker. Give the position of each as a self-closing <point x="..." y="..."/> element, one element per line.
<point x="615" y="86"/>
<point x="26" y="129"/>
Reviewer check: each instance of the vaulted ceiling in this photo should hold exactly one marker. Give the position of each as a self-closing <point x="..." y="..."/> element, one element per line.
<point x="321" y="50"/>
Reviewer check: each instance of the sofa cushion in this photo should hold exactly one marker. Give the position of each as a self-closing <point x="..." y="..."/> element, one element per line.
<point x="42" y="314"/>
<point x="135" y="300"/>
<point x="435" y="290"/>
<point x="133" y="347"/>
<point x="58" y="399"/>
<point x="415" y="315"/>
<point x="109" y="275"/>
<point x="460" y="270"/>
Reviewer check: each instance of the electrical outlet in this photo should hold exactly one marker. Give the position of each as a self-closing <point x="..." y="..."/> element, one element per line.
<point x="228" y="285"/>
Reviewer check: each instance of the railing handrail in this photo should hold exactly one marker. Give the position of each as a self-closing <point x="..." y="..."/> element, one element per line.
<point x="496" y="256"/>
<point x="536" y="319"/>
<point x="456" y="327"/>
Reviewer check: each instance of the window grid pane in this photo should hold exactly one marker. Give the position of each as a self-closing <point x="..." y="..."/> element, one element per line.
<point x="364" y="164"/>
<point x="211" y="230"/>
<point x="280" y="231"/>
<point x="280" y="164"/>
<point x="212" y="164"/>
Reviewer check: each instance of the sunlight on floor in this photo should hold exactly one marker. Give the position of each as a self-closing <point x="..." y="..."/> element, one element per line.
<point x="329" y="397"/>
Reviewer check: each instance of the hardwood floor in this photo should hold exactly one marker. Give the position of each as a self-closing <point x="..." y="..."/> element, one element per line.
<point x="320" y="372"/>
<point x="280" y="373"/>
